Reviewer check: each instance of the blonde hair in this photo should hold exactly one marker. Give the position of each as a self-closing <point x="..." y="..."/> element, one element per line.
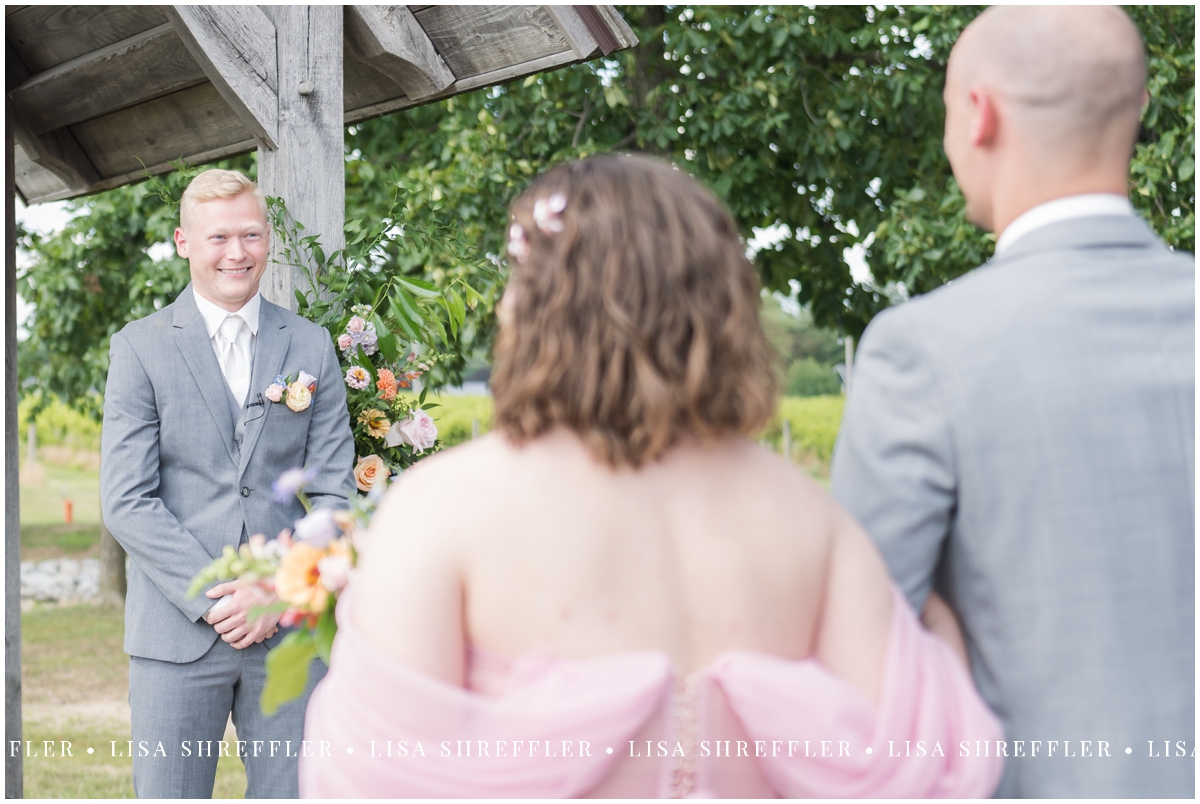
<point x="213" y="184"/>
<point x="634" y="322"/>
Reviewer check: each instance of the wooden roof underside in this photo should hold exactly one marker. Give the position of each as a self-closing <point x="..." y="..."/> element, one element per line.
<point x="105" y="94"/>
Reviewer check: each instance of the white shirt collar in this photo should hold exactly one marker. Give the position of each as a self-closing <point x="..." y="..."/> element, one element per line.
<point x="1061" y="209"/>
<point x="214" y="315"/>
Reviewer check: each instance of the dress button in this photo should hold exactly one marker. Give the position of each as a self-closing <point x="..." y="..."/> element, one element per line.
<point x="245" y="491"/>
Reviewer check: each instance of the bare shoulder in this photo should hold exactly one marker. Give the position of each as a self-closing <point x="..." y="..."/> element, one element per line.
<point x="445" y="495"/>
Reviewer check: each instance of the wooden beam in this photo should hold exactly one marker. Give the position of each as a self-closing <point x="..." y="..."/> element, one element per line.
<point x="13" y="771"/>
<point x="390" y="39"/>
<point x="493" y="78"/>
<point x="126" y="73"/>
<point x="575" y="30"/>
<point x="308" y="168"/>
<point x="235" y="46"/>
<point x="57" y="150"/>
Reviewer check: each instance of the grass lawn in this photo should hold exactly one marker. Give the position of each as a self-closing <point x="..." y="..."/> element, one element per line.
<point x="44" y="487"/>
<point x="76" y="687"/>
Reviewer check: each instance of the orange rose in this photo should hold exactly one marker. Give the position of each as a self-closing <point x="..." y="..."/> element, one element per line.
<point x="369" y="471"/>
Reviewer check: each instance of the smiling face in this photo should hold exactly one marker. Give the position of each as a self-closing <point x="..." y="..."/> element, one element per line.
<point x="226" y="243"/>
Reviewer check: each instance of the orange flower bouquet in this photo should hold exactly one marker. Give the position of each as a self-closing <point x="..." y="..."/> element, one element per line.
<point x="306" y="569"/>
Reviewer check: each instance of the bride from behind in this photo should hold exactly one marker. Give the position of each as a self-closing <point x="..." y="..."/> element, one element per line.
<point x="618" y="592"/>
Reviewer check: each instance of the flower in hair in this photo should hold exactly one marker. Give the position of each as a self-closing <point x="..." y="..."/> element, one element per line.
<point x="547" y="212"/>
<point x="518" y="246"/>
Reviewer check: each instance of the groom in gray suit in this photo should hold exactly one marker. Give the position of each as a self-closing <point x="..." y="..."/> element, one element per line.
<point x="190" y="447"/>
<point x="1023" y="439"/>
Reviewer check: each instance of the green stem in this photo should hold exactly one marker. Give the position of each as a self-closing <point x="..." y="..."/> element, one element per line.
<point x="303" y="498"/>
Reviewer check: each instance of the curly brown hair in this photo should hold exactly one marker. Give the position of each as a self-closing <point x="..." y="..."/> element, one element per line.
<point x="635" y="324"/>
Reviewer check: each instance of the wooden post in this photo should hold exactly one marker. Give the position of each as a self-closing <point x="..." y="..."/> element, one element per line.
<point x="787" y="439"/>
<point x="849" y="360"/>
<point x="474" y="429"/>
<point x="308" y="169"/>
<point x="14" y="786"/>
<point x="31" y="445"/>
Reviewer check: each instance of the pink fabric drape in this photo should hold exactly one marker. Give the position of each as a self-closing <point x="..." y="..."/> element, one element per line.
<point x="802" y="731"/>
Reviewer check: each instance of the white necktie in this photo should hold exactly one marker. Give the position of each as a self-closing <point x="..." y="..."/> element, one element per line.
<point x="235" y="363"/>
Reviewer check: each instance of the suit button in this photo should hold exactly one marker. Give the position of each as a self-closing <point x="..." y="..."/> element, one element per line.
<point x="245" y="491"/>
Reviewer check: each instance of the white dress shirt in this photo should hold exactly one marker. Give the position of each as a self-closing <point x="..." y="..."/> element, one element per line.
<point x="214" y="316"/>
<point x="1061" y="209"/>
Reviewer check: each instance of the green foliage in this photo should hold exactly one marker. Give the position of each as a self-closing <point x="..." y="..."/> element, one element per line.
<point x="366" y="291"/>
<point x="807" y="377"/>
<point x="826" y="120"/>
<point x="1164" y="166"/>
<point x="287" y="670"/>
<point x="58" y="424"/>
<point x="454" y="414"/>
<point x="815" y="421"/>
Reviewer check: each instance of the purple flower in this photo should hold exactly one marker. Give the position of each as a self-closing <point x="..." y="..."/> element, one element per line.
<point x="291" y="483"/>
<point x="367" y="339"/>
<point x="318" y="528"/>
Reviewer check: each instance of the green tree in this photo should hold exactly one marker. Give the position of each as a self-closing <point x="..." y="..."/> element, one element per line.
<point x="826" y="121"/>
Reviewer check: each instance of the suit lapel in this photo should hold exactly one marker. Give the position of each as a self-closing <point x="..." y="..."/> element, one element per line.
<point x="191" y="337"/>
<point x="270" y="350"/>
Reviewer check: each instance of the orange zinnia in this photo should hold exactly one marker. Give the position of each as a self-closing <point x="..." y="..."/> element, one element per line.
<point x="386" y="385"/>
<point x="298" y="581"/>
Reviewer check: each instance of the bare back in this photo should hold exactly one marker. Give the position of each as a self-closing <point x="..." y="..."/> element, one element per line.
<point x="709" y="549"/>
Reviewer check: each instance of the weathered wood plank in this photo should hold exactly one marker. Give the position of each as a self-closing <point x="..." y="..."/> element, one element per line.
<point x="178" y="125"/>
<point x="364" y="85"/>
<point x="48" y="35"/>
<point x="57" y="150"/>
<point x="503" y="76"/>
<point x="480" y="39"/>
<point x="617" y="25"/>
<point x="34" y="181"/>
<point x="125" y="73"/>
<point x="389" y="39"/>
<point x="575" y="30"/>
<point x="135" y="176"/>
<point x="235" y="47"/>
<point x="13" y="772"/>
<point x="307" y="169"/>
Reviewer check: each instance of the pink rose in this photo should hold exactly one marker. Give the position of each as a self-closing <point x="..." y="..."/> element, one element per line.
<point x="357" y="324"/>
<point x="274" y="392"/>
<point x="418" y="430"/>
<point x="335" y="571"/>
<point x="345" y="342"/>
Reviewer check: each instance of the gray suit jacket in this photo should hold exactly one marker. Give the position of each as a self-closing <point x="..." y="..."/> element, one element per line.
<point x="176" y="488"/>
<point x="1024" y="440"/>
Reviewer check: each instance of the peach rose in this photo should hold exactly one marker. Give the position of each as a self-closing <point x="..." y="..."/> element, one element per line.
<point x="369" y="471"/>
<point x="298" y="397"/>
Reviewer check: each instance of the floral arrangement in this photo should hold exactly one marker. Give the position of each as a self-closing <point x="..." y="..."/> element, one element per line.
<point x="391" y="430"/>
<point x="306" y="568"/>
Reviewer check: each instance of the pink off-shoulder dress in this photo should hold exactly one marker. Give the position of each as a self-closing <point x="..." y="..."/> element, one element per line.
<point x="750" y="725"/>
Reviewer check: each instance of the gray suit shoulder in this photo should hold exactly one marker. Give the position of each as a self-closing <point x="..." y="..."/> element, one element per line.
<point x="153" y="326"/>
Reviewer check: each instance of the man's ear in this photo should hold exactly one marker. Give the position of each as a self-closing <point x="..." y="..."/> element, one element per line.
<point x="181" y="243"/>
<point x="985" y="122"/>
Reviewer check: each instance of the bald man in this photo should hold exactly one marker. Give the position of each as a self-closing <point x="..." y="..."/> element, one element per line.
<point x="1023" y="440"/>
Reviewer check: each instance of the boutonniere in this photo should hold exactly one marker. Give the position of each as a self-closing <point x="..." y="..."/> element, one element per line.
<point x="296" y="394"/>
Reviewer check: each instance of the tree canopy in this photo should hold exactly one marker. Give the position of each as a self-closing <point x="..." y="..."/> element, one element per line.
<point x="824" y="122"/>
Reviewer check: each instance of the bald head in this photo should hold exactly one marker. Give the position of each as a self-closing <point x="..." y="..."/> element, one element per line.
<point x="1065" y="73"/>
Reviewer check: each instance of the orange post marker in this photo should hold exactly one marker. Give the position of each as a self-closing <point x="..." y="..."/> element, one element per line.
<point x="67" y="511"/>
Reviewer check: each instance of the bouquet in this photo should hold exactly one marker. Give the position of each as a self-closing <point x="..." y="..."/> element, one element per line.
<point x="306" y="568"/>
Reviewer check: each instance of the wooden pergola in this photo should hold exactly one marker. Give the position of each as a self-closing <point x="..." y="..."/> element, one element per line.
<point x="99" y="96"/>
